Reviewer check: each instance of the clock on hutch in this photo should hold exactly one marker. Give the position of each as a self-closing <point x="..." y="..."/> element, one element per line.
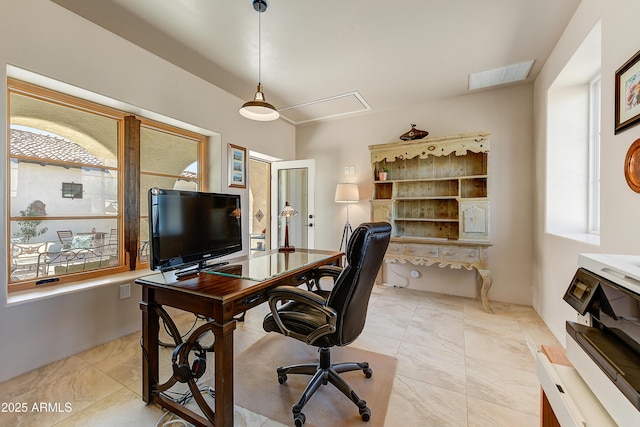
<point x="435" y="198"/>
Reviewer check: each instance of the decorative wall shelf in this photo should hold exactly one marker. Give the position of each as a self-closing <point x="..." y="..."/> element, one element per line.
<point x="436" y="198"/>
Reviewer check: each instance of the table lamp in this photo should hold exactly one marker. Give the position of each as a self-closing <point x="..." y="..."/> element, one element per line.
<point x="287" y="212"/>
<point x="347" y="193"/>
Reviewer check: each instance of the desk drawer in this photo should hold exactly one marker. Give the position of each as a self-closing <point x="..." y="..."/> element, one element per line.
<point x="462" y="254"/>
<point x="250" y="301"/>
<point x="259" y="297"/>
<point x="395" y="249"/>
<point x="427" y="251"/>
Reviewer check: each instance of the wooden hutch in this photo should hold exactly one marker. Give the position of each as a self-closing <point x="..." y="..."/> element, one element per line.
<point x="435" y="197"/>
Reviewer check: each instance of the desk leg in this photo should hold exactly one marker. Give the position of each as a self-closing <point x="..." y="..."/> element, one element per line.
<point x="484" y="282"/>
<point x="150" y="368"/>
<point x="223" y="347"/>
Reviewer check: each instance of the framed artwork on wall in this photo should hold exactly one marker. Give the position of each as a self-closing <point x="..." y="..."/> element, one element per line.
<point x="237" y="166"/>
<point x="628" y="94"/>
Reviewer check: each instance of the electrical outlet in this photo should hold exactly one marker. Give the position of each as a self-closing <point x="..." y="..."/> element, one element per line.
<point x="352" y="170"/>
<point x="125" y="291"/>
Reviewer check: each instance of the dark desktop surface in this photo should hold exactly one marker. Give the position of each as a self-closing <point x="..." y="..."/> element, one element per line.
<point x="242" y="275"/>
<point x="264" y="267"/>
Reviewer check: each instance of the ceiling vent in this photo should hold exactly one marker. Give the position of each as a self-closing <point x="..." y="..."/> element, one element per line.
<point x="500" y="76"/>
<point x="335" y="106"/>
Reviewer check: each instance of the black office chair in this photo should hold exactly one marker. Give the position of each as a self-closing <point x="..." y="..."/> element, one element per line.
<point x="331" y="318"/>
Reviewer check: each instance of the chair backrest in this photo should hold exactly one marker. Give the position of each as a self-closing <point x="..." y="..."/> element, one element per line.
<point x="350" y="294"/>
<point x="66" y="237"/>
<point x="28" y="253"/>
<point x="26" y="249"/>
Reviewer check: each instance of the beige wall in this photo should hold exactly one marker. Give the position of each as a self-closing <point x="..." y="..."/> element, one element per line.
<point x="46" y="39"/>
<point x="556" y="258"/>
<point x="68" y="48"/>
<point x="507" y="113"/>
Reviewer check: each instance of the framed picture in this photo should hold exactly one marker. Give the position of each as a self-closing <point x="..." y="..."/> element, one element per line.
<point x="237" y="165"/>
<point x="628" y="94"/>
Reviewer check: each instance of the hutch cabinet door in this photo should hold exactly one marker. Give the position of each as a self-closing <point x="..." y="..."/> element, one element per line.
<point x="474" y="220"/>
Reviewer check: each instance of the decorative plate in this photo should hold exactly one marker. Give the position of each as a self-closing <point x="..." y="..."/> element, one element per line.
<point x="632" y="166"/>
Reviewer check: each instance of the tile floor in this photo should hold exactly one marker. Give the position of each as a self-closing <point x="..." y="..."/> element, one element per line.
<point x="457" y="366"/>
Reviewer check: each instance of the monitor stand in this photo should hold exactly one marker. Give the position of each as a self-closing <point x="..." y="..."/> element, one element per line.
<point x="201" y="266"/>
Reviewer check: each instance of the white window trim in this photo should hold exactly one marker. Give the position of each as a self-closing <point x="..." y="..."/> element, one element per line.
<point x="595" y="105"/>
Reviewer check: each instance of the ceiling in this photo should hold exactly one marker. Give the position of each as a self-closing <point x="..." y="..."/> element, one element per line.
<point x="338" y="57"/>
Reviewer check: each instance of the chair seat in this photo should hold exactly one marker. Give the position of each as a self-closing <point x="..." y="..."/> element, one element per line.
<point x="299" y="318"/>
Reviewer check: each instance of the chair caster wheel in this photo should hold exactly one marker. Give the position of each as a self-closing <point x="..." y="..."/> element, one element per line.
<point x="282" y="378"/>
<point x="365" y="413"/>
<point x="299" y="419"/>
<point x="368" y="373"/>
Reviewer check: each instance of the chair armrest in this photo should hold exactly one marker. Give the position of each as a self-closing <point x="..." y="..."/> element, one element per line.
<point x="283" y="294"/>
<point x="323" y="271"/>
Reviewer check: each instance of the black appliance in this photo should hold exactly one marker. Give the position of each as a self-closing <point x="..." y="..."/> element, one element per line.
<point x="604" y="344"/>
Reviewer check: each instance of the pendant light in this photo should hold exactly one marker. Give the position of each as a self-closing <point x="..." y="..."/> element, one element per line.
<point x="258" y="108"/>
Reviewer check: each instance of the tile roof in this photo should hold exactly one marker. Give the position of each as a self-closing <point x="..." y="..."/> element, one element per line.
<point x="39" y="146"/>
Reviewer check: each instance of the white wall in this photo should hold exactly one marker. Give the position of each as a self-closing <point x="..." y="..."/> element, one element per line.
<point x="556" y="257"/>
<point x="506" y="113"/>
<point x="47" y="39"/>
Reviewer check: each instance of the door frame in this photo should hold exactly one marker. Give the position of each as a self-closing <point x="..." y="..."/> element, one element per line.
<point x="310" y="165"/>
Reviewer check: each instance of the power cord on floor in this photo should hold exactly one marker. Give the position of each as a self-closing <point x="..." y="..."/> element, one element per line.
<point x="168" y="419"/>
<point x="182" y="399"/>
<point x="400" y="275"/>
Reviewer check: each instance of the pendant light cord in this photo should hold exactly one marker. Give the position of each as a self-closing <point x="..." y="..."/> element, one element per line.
<point x="258" y="108"/>
<point x="259" y="48"/>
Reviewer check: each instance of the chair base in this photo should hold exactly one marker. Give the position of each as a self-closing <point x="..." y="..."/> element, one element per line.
<point x="324" y="373"/>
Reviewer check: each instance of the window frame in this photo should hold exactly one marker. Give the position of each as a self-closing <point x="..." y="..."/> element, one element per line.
<point x="128" y="176"/>
<point x="72" y="190"/>
<point x="595" y="105"/>
<point x="202" y="156"/>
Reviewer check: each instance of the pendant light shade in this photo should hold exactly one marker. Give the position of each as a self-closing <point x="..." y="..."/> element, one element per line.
<point x="259" y="109"/>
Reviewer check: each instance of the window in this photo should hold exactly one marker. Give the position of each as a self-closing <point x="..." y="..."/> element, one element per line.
<point x="71" y="190"/>
<point x="167" y="160"/>
<point x="573" y="145"/>
<point x="79" y="174"/>
<point x="594" y="156"/>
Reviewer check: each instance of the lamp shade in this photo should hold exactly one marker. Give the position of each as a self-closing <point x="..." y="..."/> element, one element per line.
<point x="288" y="211"/>
<point x="347" y="193"/>
<point x="259" y="109"/>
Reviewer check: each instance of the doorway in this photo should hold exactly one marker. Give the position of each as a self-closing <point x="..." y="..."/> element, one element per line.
<point x="259" y="204"/>
<point x="293" y="182"/>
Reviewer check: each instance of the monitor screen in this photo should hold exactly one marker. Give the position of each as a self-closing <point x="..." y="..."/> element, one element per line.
<point x="190" y="227"/>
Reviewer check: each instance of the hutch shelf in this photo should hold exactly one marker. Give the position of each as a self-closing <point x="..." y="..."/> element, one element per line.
<point x="434" y="194"/>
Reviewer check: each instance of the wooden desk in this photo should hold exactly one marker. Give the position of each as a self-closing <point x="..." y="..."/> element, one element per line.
<point x="218" y="298"/>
